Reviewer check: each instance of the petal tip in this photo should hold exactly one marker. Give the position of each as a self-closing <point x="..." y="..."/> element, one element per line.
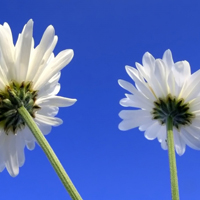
<point x="71" y="102"/>
<point x="70" y="51"/>
<point x="14" y="172"/>
<point x="120" y="127"/>
<point x="128" y="68"/>
<point x="30" y="21"/>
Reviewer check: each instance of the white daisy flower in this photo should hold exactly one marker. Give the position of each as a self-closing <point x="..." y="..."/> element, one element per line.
<point x="163" y="88"/>
<point x="32" y="74"/>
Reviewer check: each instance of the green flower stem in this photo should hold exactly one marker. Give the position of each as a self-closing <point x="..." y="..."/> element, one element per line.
<point x="172" y="160"/>
<point x="49" y="153"/>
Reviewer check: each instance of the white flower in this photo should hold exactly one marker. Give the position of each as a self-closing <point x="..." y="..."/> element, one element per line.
<point x="33" y="74"/>
<point x="163" y="88"/>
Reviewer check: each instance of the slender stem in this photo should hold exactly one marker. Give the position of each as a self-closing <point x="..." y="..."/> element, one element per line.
<point x="172" y="160"/>
<point x="49" y="153"/>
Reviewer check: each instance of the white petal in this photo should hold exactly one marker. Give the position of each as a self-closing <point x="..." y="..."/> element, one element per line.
<point x="162" y="137"/>
<point x="28" y="138"/>
<point x="24" y="51"/>
<point x="46" y="59"/>
<point x="2" y="150"/>
<point x="126" y="102"/>
<point x="190" y="139"/>
<point x="60" y="61"/>
<point x="20" y="149"/>
<point x="49" y="111"/>
<point x="133" y="118"/>
<point x="148" y="62"/>
<point x="7" y="49"/>
<point x="3" y="79"/>
<point x="143" y="71"/>
<point x="192" y="89"/>
<point x="8" y="32"/>
<point x="134" y="101"/>
<point x="49" y="87"/>
<point x="2" y="166"/>
<point x="152" y="131"/>
<point x="173" y="87"/>
<point x="196" y="122"/>
<point x="164" y="144"/>
<point x="160" y="86"/>
<point x="127" y="86"/>
<point x="144" y="127"/>
<point x="168" y="60"/>
<point x="39" y="52"/>
<point x="30" y="145"/>
<point x="53" y="121"/>
<point x="44" y="128"/>
<point x="195" y="131"/>
<point x="181" y="71"/>
<point x="4" y="67"/>
<point x="2" y="137"/>
<point x="11" y="160"/>
<point x="143" y="87"/>
<point x="54" y="91"/>
<point x="56" y="101"/>
<point x="191" y="136"/>
<point x="178" y="143"/>
<point x="137" y="100"/>
<point x="131" y="114"/>
<point x="140" y="102"/>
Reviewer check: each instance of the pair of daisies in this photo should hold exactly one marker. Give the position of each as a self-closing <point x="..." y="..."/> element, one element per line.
<point x="162" y="88"/>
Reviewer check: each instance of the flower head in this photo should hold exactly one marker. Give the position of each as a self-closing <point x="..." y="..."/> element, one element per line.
<point x="162" y="89"/>
<point x="32" y="75"/>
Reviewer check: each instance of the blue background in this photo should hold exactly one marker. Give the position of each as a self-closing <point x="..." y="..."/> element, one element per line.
<point x="104" y="162"/>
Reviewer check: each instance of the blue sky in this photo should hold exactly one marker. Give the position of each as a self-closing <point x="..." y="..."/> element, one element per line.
<point x="103" y="162"/>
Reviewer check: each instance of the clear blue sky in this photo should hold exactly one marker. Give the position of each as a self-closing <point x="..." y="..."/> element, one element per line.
<point x="104" y="162"/>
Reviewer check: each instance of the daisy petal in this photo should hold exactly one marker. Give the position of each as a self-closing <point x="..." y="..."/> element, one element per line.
<point x="168" y="60"/>
<point x="148" y="62"/>
<point x="179" y="143"/>
<point x="39" y="52"/>
<point x="182" y="72"/>
<point x="190" y="140"/>
<point x="139" y="83"/>
<point x="24" y="51"/>
<point x="53" y="121"/>
<point x="152" y="132"/>
<point x="45" y="129"/>
<point x="127" y="86"/>
<point x="133" y="118"/>
<point x="60" y="61"/>
<point x="56" y="101"/>
<point x="11" y="160"/>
